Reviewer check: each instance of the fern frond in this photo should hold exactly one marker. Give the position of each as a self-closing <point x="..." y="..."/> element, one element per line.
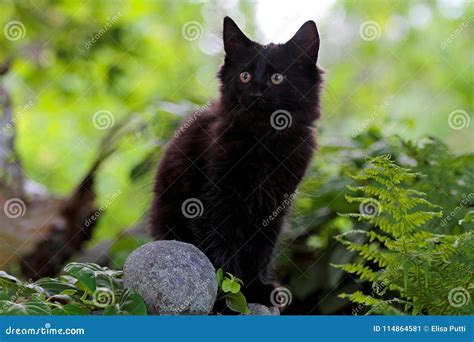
<point x="411" y="259"/>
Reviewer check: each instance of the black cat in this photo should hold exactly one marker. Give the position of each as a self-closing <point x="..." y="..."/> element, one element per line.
<point x="225" y="181"/>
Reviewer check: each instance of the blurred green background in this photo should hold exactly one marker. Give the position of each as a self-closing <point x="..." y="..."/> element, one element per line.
<point x="400" y="67"/>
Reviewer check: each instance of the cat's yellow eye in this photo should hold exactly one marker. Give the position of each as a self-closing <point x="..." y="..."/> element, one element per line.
<point x="277" y="78"/>
<point x="245" y="77"/>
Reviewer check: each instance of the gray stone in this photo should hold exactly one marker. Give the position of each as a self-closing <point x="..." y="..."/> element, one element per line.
<point x="262" y="310"/>
<point x="172" y="277"/>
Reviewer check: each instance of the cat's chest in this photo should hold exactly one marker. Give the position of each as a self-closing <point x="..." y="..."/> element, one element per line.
<point x="251" y="157"/>
<point x="252" y="176"/>
<point x="251" y="165"/>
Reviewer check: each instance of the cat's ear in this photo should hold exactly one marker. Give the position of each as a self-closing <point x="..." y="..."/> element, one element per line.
<point x="235" y="40"/>
<point x="305" y="43"/>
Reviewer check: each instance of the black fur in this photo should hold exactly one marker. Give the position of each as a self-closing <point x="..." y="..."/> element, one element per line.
<point x="230" y="158"/>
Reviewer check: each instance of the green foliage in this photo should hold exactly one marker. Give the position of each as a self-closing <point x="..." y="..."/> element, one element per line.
<point x="423" y="271"/>
<point x="229" y="289"/>
<point x="83" y="289"/>
<point x="400" y="76"/>
<point x="390" y="205"/>
<point x="309" y="248"/>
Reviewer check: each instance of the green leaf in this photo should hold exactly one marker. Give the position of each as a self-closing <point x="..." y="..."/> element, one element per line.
<point x="70" y="292"/>
<point x="92" y="275"/>
<point x="56" y="286"/>
<point x="469" y="217"/>
<point x="5" y="276"/>
<point x="34" y="307"/>
<point x="220" y="277"/>
<point x="84" y="273"/>
<point x="131" y="304"/>
<point x="407" y="266"/>
<point x="8" y="282"/>
<point x="112" y="310"/>
<point x="237" y="302"/>
<point x="234" y="287"/>
<point x="70" y="310"/>
<point x="4" y="296"/>
<point x="226" y="285"/>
